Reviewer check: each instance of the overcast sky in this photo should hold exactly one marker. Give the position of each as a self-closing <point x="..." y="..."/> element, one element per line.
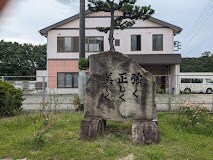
<point x="22" y="20"/>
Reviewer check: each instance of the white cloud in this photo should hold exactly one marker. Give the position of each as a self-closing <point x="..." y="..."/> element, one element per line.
<point x="22" y="20"/>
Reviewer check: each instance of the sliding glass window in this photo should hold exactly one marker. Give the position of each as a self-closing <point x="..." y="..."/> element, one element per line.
<point x="157" y="42"/>
<point x="135" y="42"/>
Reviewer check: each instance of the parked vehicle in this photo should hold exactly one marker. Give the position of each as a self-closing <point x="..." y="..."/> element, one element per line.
<point x="32" y="85"/>
<point x="196" y="84"/>
<point x="18" y="85"/>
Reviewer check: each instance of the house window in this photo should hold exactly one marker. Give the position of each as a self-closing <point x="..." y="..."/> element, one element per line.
<point x="157" y="42"/>
<point x="94" y="44"/>
<point x="71" y="44"/>
<point x="67" y="44"/>
<point x="67" y="80"/>
<point x="136" y="42"/>
<point x="117" y="42"/>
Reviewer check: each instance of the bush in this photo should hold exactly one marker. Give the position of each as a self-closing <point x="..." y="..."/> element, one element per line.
<point x="159" y="90"/>
<point x="195" y="119"/>
<point x="194" y="114"/>
<point x="10" y="99"/>
<point x="83" y="64"/>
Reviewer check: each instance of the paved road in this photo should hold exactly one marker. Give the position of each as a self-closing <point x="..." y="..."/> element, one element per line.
<point x="163" y="102"/>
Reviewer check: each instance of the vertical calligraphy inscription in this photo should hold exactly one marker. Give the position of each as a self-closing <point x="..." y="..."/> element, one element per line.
<point x="136" y="79"/>
<point x="122" y="80"/>
<point x="108" y="81"/>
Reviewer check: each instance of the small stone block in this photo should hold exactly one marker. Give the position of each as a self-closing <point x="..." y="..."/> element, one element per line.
<point x="91" y="128"/>
<point x="145" y="133"/>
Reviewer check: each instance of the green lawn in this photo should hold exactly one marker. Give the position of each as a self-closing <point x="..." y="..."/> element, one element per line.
<point x="62" y="140"/>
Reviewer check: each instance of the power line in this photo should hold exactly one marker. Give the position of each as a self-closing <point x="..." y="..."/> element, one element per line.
<point x="191" y="37"/>
<point x="198" y="20"/>
<point x="199" y="26"/>
<point x="201" y="44"/>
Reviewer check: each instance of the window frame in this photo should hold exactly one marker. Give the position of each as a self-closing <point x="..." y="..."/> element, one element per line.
<point x="93" y="48"/>
<point x="64" y="79"/>
<point x="118" y="42"/>
<point x="153" y="42"/>
<point x="86" y="43"/>
<point x="136" y="42"/>
<point x="72" y="49"/>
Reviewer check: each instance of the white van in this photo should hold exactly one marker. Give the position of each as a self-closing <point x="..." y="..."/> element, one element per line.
<point x="196" y="84"/>
<point x="18" y="85"/>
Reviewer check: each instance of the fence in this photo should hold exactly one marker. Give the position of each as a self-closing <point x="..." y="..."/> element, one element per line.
<point x="56" y="93"/>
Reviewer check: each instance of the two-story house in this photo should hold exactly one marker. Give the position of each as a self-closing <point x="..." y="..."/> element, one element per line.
<point x="149" y="42"/>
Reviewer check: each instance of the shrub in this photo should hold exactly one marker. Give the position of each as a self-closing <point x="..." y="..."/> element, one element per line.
<point x="10" y="99"/>
<point x="159" y="90"/>
<point x="193" y="118"/>
<point x="194" y="114"/>
<point x="83" y="64"/>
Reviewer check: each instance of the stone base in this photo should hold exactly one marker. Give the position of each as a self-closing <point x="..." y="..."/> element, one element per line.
<point x="91" y="128"/>
<point x="145" y="132"/>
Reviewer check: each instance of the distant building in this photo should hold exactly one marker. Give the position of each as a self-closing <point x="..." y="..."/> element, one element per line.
<point x="149" y="42"/>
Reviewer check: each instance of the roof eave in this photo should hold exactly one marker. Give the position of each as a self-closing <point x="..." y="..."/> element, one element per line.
<point x="44" y="31"/>
<point x="176" y="29"/>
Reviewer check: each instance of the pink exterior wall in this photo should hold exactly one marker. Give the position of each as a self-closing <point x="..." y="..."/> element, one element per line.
<point x="55" y="66"/>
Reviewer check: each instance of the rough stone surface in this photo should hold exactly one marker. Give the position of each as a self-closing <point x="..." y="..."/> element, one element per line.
<point x="145" y="132"/>
<point x="91" y="128"/>
<point x="119" y="89"/>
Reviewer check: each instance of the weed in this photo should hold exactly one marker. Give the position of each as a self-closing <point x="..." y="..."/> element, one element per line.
<point x="76" y="101"/>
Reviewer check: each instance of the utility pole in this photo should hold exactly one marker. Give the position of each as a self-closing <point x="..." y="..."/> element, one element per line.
<point x="82" y="30"/>
<point x="82" y="74"/>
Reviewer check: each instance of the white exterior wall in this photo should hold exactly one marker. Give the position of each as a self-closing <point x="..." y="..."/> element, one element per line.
<point x="123" y="35"/>
<point x="144" y="28"/>
<point x="40" y="74"/>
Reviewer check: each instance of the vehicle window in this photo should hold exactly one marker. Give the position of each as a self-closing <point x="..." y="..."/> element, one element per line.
<point x="209" y="80"/>
<point x="191" y="80"/>
<point x="197" y="80"/>
<point x="186" y="80"/>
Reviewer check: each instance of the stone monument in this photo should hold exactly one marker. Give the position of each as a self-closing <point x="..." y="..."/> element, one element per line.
<point x="119" y="89"/>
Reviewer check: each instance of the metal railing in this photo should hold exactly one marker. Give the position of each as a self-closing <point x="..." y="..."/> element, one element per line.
<point x="43" y="92"/>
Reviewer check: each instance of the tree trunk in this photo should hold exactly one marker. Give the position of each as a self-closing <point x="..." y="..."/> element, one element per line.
<point x="111" y="33"/>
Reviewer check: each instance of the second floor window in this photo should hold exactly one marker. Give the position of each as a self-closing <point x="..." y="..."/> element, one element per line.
<point x="94" y="44"/>
<point x="135" y="42"/>
<point x="71" y="44"/>
<point x="67" y="44"/>
<point x="157" y="42"/>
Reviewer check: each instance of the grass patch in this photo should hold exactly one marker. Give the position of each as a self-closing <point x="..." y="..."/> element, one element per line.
<point x="62" y="140"/>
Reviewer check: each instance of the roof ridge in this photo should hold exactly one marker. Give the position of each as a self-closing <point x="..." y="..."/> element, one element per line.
<point x="76" y="16"/>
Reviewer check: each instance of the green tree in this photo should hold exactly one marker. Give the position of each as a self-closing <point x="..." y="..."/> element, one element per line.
<point x="21" y="59"/>
<point x="129" y="13"/>
<point x="200" y="64"/>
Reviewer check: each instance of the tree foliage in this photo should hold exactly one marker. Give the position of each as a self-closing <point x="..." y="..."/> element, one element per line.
<point x="21" y="59"/>
<point x="129" y="13"/>
<point x="200" y="64"/>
